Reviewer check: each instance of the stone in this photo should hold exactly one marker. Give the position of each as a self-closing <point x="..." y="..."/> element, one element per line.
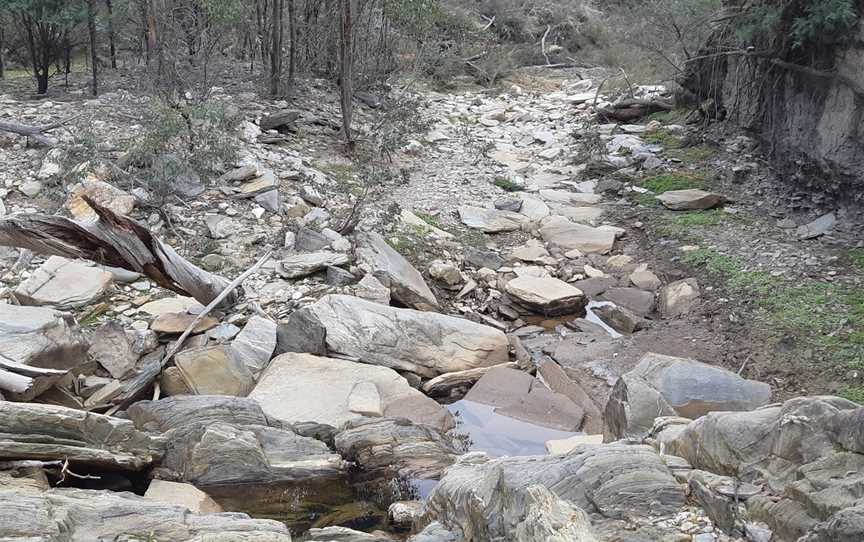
<point x="177" y="322"/>
<point x="645" y="280"/>
<point x="669" y="386"/>
<point x="446" y="273"/>
<point x="224" y="332"/>
<point x="365" y="400"/>
<point x="302" y="265"/>
<point x="239" y="174"/>
<point x="171" y="382"/>
<point x="582" y="215"/>
<point x="221" y="226"/>
<point x="619" y="318"/>
<point x="409" y="218"/>
<point x="534" y="208"/>
<point x="110" y="346"/>
<point x="342" y="534"/>
<point x="291" y="388"/>
<point x="556" y="378"/>
<point x="185" y="495"/>
<point x="104" y="194"/>
<point x="817" y="228"/>
<point x="678" y="298"/>
<point x="336" y="276"/>
<point x="558" y="231"/>
<point x="399" y="446"/>
<point x="481" y="258"/>
<point x="169" y="305"/>
<point x="593" y="272"/>
<point x="214" y="370"/>
<point x="64" y="284"/>
<point x="255" y="343"/>
<point x="491" y="220"/>
<point x="500" y="386"/>
<point x="310" y="195"/>
<point x="280" y="119"/>
<point x="443" y="385"/>
<point x="309" y="240"/>
<point x="532" y="251"/>
<point x="690" y="200"/>
<point x="371" y="289"/>
<point x="402" y="514"/>
<point x="213" y="262"/>
<point x="547" y="295"/>
<point x="41" y="337"/>
<point x="394" y="271"/>
<point x="565" y="446"/>
<point x="541" y="406"/>
<point x="508" y="204"/>
<point x="427" y="344"/>
<point x="563" y="196"/>
<point x="30" y="188"/>
<point x="264" y="183"/>
<point x="269" y="200"/>
<point x="641" y="302"/>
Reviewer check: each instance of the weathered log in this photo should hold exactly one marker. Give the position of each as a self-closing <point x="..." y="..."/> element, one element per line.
<point x="632" y="109"/>
<point x="24" y="382"/>
<point x="48" y="432"/>
<point x="36" y="133"/>
<point x="441" y="385"/>
<point x="116" y="241"/>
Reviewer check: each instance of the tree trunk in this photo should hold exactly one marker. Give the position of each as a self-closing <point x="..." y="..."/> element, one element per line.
<point x="2" y="67"/>
<point x="292" y="30"/>
<point x="346" y="64"/>
<point x="112" y="49"/>
<point x="276" y="51"/>
<point x="94" y="61"/>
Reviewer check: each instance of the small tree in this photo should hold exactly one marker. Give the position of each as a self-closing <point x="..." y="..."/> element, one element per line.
<point x="346" y="64"/>
<point x="276" y="52"/>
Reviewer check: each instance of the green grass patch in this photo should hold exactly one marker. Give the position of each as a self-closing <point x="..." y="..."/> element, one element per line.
<point x="702" y="219"/>
<point x="856" y="258"/>
<point x="673" y="181"/>
<point x="430" y="219"/>
<point x="695" y="154"/>
<point x="674" y="116"/>
<point x="667" y="138"/>
<point x="853" y="393"/>
<point x="506" y="184"/>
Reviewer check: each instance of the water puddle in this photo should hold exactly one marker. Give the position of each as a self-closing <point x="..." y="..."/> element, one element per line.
<point x="483" y="430"/>
<point x="550" y="323"/>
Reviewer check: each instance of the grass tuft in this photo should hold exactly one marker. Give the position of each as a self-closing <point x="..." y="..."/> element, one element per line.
<point x="673" y="181"/>
<point x="506" y="184"/>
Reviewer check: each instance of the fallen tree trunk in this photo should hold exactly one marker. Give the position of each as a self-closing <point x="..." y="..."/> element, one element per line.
<point x="115" y="241"/>
<point x="36" y="133"/>
<point x="23" y="382"/>
<point x="632" y="109"/>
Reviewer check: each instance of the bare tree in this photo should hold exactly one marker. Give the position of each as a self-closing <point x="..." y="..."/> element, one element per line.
<point x="276" y="51"/>
<point x="292" y="30"/>
<point x="94" y="61"/>
<point x="346" y="64"/>
<point x="111" y="47"/>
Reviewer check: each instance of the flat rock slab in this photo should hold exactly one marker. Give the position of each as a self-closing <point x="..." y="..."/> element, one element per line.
<point x="182" y="494"/>
<point x="214" y="371"/>
<point x="818" y="227"/>
<point x="110" y="346"/>
<point x="303" y="265"/>
<point x="255" y="343"/>
<point x="41" y="337"/>
<point x="169" y="304"/>
<point x="563" y="196"/>
<point x="581" y="215"/>
<point x="542" y="406"/>
<point x="639" y="301"/>
<point x="491" y="220"/>
<point x="424" y="343"/>
<point x="64" y="284"/>
<point x="102" y="193"/>
<point x="299" y="388"/>
<point x="500" y="386"/>
<point x="177" y="322"/>
<point x="394" y="271"/>
<point x="690" y="200"/>
<point x="567" y="235"/>
<point x="547" y="295"/>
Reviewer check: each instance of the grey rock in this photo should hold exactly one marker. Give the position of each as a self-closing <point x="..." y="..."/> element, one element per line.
<point x="214" y="370"/>
<point x="500" y="386"/>
<point x="336" y="276"/>
<point x="64" y="284"/>
<point x="640" y="302"/>
<point x="513" y="205"/>
<point x="818" y="227"/>
<point x="547" y="295"/>
<point x="645" y="280"/>
<point x="690" y="200"/>
<point x="254" y="345"/>
<point x="542" y="406"/>
<point x="110" y="346"/>
<point x="678" y="298"/>
<point x="445" y="273"/>
<point x="309" y="240"/>
<point x="393" y="270"/>
<point x="567" y="235"/>
<point x="221" y="226"/>
<point x="242" y="173"/>
<point x="223" y="332"/>
<point x="427" y="344"/>
<point x="270" y="200"/>
<point x="619" y="318"/>
<point x="41" y="337"/>
<point x="182" y="494"/>
<point x="491" y="220"/>
<point x="435" y="532"/>
<point x="371" y="289"/>
<point x="342" y="534"/>
<point x="480" y="258"/>
<point x="670" y="386"/>
<point x="310" y="195"/>
<point x="558" y="381"/>
<point x="302" y="265"/>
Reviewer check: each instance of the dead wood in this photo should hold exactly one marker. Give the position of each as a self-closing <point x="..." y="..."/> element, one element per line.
<point x="116" y="241"/>
<point x="632" y="109"/>
<point x="36" y="133"/>
<point x="24" y="382"/>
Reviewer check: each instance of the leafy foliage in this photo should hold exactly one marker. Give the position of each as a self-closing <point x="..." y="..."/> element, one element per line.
<point x="805" y="22"/>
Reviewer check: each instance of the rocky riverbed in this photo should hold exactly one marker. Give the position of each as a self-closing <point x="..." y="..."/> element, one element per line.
<point x="490" y="356"/>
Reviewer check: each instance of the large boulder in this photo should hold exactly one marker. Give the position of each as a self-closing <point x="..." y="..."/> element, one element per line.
<point x="298" y="388"/>
<point x="427" y="344"/>
<point x="487" y="499"/>
<point x="397" y="446"/>
<point x="558" y="231"/>
<point x="301" y="265"/>
<point x="254" y="345"/>
<point x="64" y="284"/>
<point x="669" y="386"/>
<point x="394" y="271"/>
<point x="222" y="441"/>
<point x="41" y="337"/>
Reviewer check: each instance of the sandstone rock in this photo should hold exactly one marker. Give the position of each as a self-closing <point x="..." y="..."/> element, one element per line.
<point x="491" y="220"/>
<point x="291" y="388"/>
<point x="388" y="266"/>
<point x="41" y="337"/>
<point x="500" y="386"/>
<point x="169" y="305"/>
<point x="185" y="495"/>
<point x="427" y="344"/>
<point x="670" y="386"/>
<point x="64" y="284"/>
<point x="102" y="193"/>
<point x="397" y="445"/>
<point x="547" y="295"/>
<point x="678" y="298"/>
<point x="690" y="200"/>
<point x="645" y="280"/>
<point x="255" y="344"/>
<point x="302" y="265"/>
<point x="171" y="382"/>
<point x="558" y="231"/>
<point x="214" y="371"/>
<point x="177" y="322"/>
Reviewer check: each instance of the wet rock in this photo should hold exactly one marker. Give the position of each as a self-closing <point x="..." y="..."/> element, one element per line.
<point x="292" y="387"/>
<point x="566" y="235"/>
<point x="388" y="266"/>
<point x="371" y="289"/>
<point x="556" y="378"/>
<point x="110" y="346"/>
<point x="817" y="228"/>
<point x="541" y="406"/>
<point x="302" y="265"/>
<point x="670" y="386"/>
<point x="678" y="298"/>
<point x="445" y="273"/>
<point x="481" y="258"/>
<point x="102" y="193"/>
<point x="500" y="386"/>
<point x="396" y="445"/>
<point x="690" y="200"/>
<point x="546" y="295"/>
<point x="185" y="495"/>
<point x="640" y="302"/>
<point x="427" y="344"/>
<point x="41" y="337"/>
<point x="214" y="371"/>
<point x="402" y="514"/>
<point x="254" y="345"/>
<point x="64" y="284"/>
<point x="491" y="220"/>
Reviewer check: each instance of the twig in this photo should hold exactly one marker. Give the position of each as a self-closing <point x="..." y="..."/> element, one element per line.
<point x="629" y="84"/>
<point x="543" y="43"/>
<point x="491" y="22"/>
<point x="65" y="470"/>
